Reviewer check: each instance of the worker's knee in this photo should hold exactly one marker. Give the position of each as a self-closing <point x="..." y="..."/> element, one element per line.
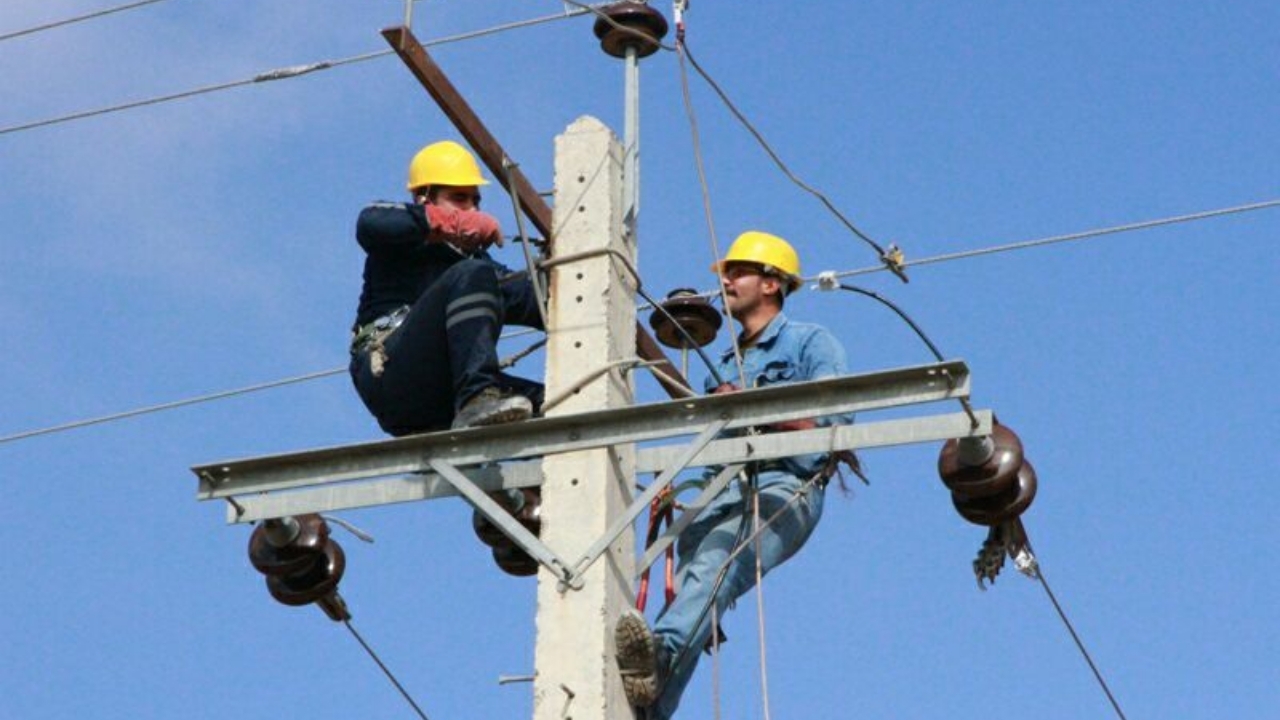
<point x="471" y="275"/>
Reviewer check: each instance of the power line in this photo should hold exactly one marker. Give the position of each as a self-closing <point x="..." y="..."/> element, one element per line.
<point x="171" y="405"/>
<point x="385" y="671"/>
<point x="68" y="21"/>
<point x="1079" y="644"/>
<point x="285" y="73"/>
<point x="1085" y="235"/>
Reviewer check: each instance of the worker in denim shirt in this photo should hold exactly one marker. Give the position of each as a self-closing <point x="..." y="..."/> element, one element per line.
<point x="757" y="273"/>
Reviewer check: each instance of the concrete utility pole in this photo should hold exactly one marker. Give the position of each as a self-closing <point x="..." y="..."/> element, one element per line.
<point x="591" y="325"/>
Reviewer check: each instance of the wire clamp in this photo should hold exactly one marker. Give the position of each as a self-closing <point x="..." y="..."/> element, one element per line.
<point x="895" y="261"/>
<point x="827" y="281"/>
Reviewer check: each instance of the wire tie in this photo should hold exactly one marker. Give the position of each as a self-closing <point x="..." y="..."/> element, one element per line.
<point x="893" y="259"/>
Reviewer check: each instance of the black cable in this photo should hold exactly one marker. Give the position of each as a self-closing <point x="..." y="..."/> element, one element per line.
<point x="385" y="671"/>
<point x="932" y="348"/>
<point x="778" y="160"/>
<point x="1079" y="644"/>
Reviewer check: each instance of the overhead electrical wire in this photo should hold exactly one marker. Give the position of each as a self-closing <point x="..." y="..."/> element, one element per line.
<point x="404" y="693"/>
<point x="285" y="73"/>
<point x="1085" y="235"/>
<point x="1079" y="643"/>
<point x="933" y="260"/>
<point x="79" y="18"/>
<point x="170" y="405"/>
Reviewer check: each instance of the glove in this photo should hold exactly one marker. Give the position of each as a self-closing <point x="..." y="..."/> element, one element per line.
<point x="802" y="424"/>
<point x="469" y="230"/>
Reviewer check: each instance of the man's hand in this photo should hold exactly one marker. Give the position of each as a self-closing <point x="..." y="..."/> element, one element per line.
<point x="725" y="388"/>
<point x="469" y="230"/>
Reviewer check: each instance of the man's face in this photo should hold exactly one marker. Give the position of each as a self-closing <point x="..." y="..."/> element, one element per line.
<point x="457" y="197"/>
<point x="746" y="287"/>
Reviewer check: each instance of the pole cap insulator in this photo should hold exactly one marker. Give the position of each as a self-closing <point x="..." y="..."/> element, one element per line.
<point x="636" y="17"/>
<point x="295" y="555"/>
<point x="690" y="311"/>
<point x="992" y="477"/>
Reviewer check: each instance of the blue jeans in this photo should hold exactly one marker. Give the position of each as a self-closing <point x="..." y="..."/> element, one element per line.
<point x="682" y="629"/>
<point x="445" y="350"/>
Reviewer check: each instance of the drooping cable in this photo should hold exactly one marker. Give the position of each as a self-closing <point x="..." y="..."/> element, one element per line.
<point x="79" y="18"/>
<point x="887" y="256"/>
<point x="284" y="73"/>
<point x="408" y="698"/>
<point x="902" y="314"/>
<point x="531" y="266"/>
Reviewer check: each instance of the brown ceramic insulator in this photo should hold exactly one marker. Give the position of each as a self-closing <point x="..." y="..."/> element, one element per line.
<point x="689" y="311"/>
<point x="634" y="16"/>
<point x="996" y="509"/>
<point x="296" y="555"/>
<point x="515" y="561"/>
<point x="530" y="513"/>
<point x="320" y="580"/>
<point x="488" y="533"/>
<point x="526" y="507"/>
<point x="992" y="477"/>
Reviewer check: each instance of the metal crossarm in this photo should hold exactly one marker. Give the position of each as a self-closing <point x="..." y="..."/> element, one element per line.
<point x="427" y="485"/>
<point x="544" y="436"/>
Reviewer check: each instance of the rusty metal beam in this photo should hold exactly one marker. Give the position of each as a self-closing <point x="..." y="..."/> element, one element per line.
<point x="492" y="155"/>
<point x="455" y="107"/>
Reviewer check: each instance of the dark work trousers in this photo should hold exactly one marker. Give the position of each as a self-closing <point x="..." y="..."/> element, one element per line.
<point x="445" y="351"/>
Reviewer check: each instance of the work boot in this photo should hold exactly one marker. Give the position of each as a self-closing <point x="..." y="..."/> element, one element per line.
<point x="491" y="407"/>
<point x="637" y="658"/>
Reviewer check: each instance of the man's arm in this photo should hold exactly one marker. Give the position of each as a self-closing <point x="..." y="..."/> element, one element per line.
<point x="389" y="225"/>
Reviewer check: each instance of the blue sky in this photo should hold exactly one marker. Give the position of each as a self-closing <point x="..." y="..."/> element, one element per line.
<point x="206" y="244"/>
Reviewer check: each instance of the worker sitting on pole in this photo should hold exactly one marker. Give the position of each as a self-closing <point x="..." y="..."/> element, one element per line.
<point x="718" y="556"/>
<point x="424" y="346"/>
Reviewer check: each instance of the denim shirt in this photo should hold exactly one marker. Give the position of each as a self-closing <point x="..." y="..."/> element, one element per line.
<point x="789" y="351"/>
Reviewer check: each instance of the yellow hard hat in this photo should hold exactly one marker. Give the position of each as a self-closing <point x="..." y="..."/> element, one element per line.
<point x="444" y="163"/>
<point x="775" y="254"/>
